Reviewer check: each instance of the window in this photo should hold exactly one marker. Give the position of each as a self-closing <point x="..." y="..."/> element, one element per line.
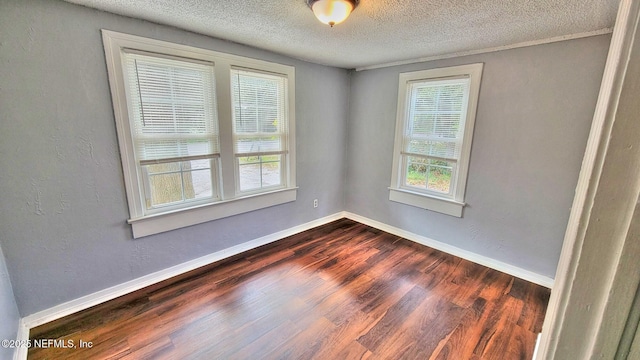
<point x="202" y="135"/>
<point x="260" y="129"/>
<point x="436" y="114"/>
<point x="174" y="129"/>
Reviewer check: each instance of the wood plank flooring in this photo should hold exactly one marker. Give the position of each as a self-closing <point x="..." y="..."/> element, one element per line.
<point x="340" y="291"/>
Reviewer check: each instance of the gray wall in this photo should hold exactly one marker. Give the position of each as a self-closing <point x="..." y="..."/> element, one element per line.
<point x="8" y="310"/>
<point x="63" y="203"/>
<point x="534" y="114"/>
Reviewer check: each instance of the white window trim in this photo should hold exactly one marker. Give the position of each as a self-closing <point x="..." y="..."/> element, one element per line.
<point x="230" y="203"/>
<point x="432" y="202"/>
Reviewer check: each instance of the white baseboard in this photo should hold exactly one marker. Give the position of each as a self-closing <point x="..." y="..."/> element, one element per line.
<point x="87" y="301"/>
<point x="113" y="292"/>
<point x="456" y="251"/>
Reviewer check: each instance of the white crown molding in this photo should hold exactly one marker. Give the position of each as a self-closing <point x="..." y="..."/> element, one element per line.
<point x="491" y="49"/>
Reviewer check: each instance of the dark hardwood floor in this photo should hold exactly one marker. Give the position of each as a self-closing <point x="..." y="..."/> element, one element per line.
<point x="340" y="291"/>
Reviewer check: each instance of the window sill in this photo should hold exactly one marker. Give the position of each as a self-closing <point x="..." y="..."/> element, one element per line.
<point x="444" y="206"/>
<point x="158" y="223"/>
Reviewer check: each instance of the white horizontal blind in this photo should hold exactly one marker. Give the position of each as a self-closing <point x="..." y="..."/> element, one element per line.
<point x="173" y="109"/>
<point x="260" y="116"/>
<point x="436" y="118"/>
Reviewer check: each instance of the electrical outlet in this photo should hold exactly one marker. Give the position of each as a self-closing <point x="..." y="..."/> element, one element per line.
<point x="315" y="203"/>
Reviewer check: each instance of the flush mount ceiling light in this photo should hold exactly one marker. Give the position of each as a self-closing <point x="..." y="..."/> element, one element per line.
<point x="332" y="12"/>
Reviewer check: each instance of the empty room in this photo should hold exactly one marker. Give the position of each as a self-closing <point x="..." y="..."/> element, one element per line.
<point x="319" y="179"/>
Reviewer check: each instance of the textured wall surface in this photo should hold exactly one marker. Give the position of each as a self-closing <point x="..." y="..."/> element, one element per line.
<point x="8" y="310"/>
<point x="63" y="225"/>
<point x="534" y="114"/>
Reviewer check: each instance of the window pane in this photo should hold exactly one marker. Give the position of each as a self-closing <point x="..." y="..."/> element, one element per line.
<point x="448" y="125"/>
<point x="257" y="99"/>
<point x="441" y="149"/>
<point x="429" y="174"/>
<point x="163" y="168"/>
<point x="271" y="171"/>
<point x="416" y="172"/>
<point x="165" y="188"/>
<point x="249" y="175"/>
<point x="199" y="164"/>
<point x="259" y="111"/>
<point x="439" y="176"/>
<point x="197" y="184"/>
<point x="246" y="119"/>
<point x="173" y="107"/>
<point x="257" y="172"/>
<point x="269" y="120"/>
<point x="177" y="182"/>
<point x="435" y="118"/>
<point x="252" y="144"/>
<point x="422" y="124"/>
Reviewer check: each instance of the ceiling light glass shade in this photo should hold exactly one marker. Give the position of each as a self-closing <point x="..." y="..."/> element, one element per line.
<point x="332" y="12"/>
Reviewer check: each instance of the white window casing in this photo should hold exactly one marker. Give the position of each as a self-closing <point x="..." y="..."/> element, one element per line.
<point x="174" y="110"/>
<point x="434" y="129"/>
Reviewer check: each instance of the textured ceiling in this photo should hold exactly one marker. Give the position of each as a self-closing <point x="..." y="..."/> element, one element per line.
<point x="378" y="31"/>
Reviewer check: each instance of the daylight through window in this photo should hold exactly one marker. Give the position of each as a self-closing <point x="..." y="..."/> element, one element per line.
<point x="436" y="112"/>
<point x="202" y="135"/>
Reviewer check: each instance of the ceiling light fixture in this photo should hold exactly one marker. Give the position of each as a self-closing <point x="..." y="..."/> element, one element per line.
<point x="332" y="12"/>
